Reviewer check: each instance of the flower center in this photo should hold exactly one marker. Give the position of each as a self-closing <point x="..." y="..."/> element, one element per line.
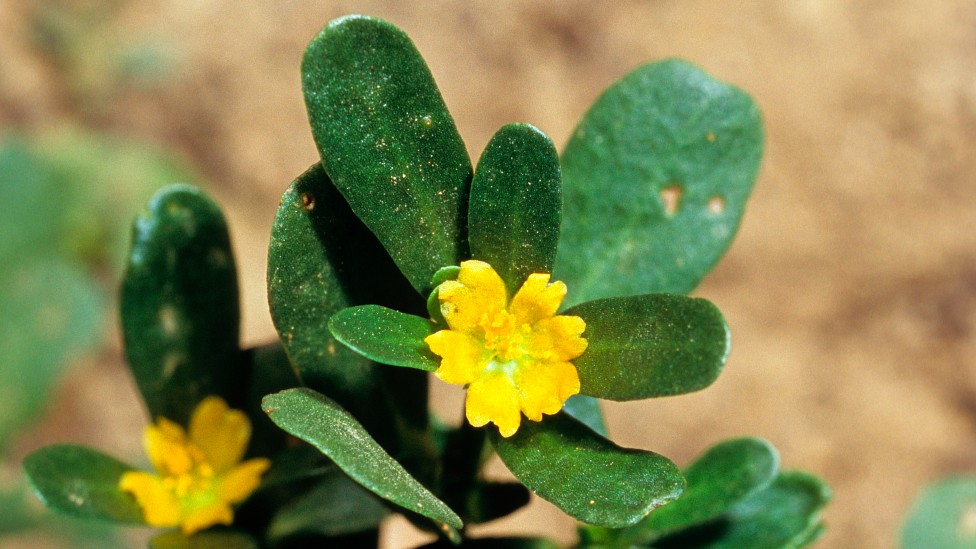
<point x="504" y="335"/>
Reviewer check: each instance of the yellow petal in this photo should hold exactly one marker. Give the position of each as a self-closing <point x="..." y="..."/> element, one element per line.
<point x="159" y="506"/>
<point x="167" y="448"/>
<point x="207" y="516"/>
<point x="544" y="387"/>
<point x="220" y="433"/>
<point x="537" y="299"/>
<point x="494" y="398"/>
<point x="478" y="291"/>
<point x="461" y="356"/>
<point x="241" y="481"/>
<point x="557" y="338"/>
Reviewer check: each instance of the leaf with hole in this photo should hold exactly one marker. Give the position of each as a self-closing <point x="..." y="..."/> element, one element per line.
<point x="82" y="482"/>
<point x="655" y="180"/>
<point x="179" y="305"/>
<point x="587" y="476"/>
<point x="513" y="217"/>
<point x="650" y="346"/>
<point x="323" y="424"/>
<point x="386" y="139"/>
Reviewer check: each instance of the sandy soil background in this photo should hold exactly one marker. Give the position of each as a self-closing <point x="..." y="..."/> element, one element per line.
<point x="850" y="290"/>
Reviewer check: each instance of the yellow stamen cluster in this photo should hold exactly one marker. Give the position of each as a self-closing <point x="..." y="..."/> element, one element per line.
<point x="200" y="474"/>
<point x="513" y="355"/>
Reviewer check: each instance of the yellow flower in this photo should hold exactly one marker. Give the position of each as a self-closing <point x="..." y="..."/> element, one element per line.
<point x="512" y="355"/>
<point x="199" y="476"/>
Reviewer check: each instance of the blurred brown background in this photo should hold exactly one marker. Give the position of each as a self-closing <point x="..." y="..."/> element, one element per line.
<point x="850" y="290"/>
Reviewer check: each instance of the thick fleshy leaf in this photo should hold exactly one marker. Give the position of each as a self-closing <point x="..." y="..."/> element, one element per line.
<point x="208" y="539"/>
<point x="322" y="259"/>
<point x="942" y="517"/>
<point x="724" y="476"/>
<point x="655" y="180"/>
<point x="587" y="410"/>
<point x="336" y="506"/>
<point x="179" y="304"/>
<point x="497" y="543"/>
<point x="388" y="142"/>
<point x="587" y="476"/>
<point x="650" y="346"/>
<point x="513" y="216"/>
<point x="322" y="423"/>
<point x="386" y="336"/>
<point x="82" y="482"/>
<point x="784" y="515"/>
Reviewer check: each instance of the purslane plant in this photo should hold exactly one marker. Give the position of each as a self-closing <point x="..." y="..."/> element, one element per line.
<point x="391" y="258"/>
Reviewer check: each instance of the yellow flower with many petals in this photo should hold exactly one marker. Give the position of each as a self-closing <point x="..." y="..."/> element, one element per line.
<point x="513" y="355"/>
<point x="200" y="475"/>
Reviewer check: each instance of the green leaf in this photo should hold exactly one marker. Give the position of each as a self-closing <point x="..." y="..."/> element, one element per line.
<point x="513" y="218"/>
<point x="208" y="539"/>
<point x="335" y="506"/>
<point x="785" y="515"/>
<point x="51" y="312"/>
<point x="179" y="304"/>
<point x="942" y="516"/>
<point x="388" y="142"/>
<point x="587" y="410"/>
<point x="81" y="482"/>
<point x="650" y="346"/>
<point x="587" y="476"/>
<point x="322" y="259"/>
<point x="655" y="180"/>
<point x="493" y="500"/>
<point x="386" y="336"/>
<point x="496" y="543"/>
<point x="322" y="423"/>
<point x="724" y="476"/>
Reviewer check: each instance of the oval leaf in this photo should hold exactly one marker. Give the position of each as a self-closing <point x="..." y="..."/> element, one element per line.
<point x="513" y="217"/>
<point x="322" y="259"/>
<point x="386" y="336"/>
<point x="82" y="482"/>
<point x="179" y="304"/>
<point x="655" y="180"/>
<point x="587" y="476"/>
<point x="650" y="346"/>
<point x="942" y="516"/>
<point x="323" y="424"/>
<point x="388" y="142"/>
<point x="784" y="515"/>
<point x="723" y="477"/>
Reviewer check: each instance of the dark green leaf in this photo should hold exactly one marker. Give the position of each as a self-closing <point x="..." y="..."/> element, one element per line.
<point x="587" y="410"/>
<point x="493" y="500"/>
<point x="387" y="140"/>
<point x="586" y="475"/>
<point x="320" y="422"/>
<point x="785" y="515"/>
<point x="82" y="482"/>
<point x="650" y="346"/>
<point x="386" y="336"/>
<point x="513" y="218"/>
<point x="724" y="476"/>
<point x="335" y="506"/>
<point x="942" y="517"/>
<point x="179" y="304"/>
<point x="655" y="180"/>
<point x="51" y="311"/>
<point x="208" y="539"/>
<point x="322" y="259"/>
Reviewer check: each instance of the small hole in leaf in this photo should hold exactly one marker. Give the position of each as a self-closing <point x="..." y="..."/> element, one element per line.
<point x="308" y="202"/>
<point x="671" y="198"/>
<point x="716" y="205"/>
